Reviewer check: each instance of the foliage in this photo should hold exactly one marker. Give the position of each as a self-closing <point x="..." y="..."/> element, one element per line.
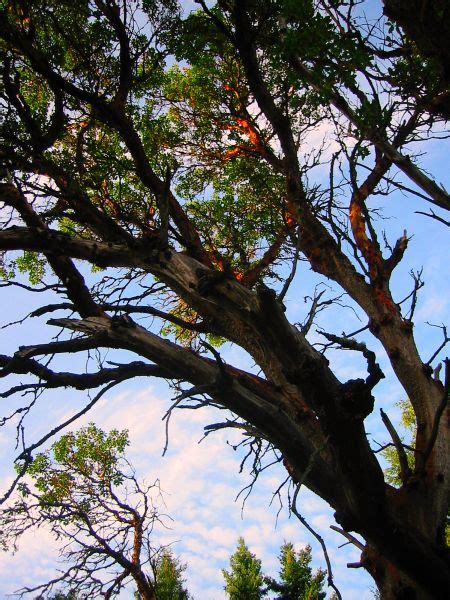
<point x="209" y="166"/>
<point x="76" y="463"/>
<point x="244" y="579"/>
<point x="168" y="577"/>
<point x="85" y="492"/>
<point x="408" y="421"/>
<point x="296" y="579"/>
<point x="33" y="265"/>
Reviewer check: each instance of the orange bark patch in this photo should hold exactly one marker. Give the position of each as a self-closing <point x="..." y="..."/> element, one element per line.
<point x="290" y="219"/>
<point x="245" y="127"/>
<point x="383" y="299"/>
<point x="231" y="152"/>
<point x="222" y="265"/>
<point x="362" y="241"/>
<point x="248" y="128"/>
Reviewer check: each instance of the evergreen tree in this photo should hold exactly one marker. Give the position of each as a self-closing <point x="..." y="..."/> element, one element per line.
<point x="169" y="581"/>
<point x="297" y="581"/>
<point x="210" y="158"/>
<point x="245" y="580"/>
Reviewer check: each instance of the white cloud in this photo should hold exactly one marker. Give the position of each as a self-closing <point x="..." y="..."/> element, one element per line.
<point x="200" y="483"/>
<point x="433" y="308"/>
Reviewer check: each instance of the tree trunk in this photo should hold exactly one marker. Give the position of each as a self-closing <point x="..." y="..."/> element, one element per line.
<point x="145" y="587"/>
<point x="391" y="582"/>
<point x="299" y="405"/>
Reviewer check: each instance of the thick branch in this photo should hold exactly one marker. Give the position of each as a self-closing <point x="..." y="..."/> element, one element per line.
<point x="254" y="399"/>
<point x="62" y="265"/>
<point x="52" y="379"/>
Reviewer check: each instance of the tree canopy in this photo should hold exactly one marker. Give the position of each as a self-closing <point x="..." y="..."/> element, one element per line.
<point x="201" y="170"/>
<point x="296" y="578"/>
<point x="245" y="578"/>
<point x="85" y="492"/>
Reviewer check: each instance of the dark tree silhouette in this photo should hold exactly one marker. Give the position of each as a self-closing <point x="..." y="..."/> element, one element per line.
<point x="173" y="154"/>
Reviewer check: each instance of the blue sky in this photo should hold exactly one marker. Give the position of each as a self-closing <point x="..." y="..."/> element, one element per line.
<point x="201" y="481"/>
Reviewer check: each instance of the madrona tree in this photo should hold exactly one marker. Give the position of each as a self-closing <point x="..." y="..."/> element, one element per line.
<point x="84" y="491"/>
<point x="170" y="165"/>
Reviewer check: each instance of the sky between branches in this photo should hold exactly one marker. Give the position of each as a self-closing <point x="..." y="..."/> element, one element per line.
<point x="202" y="481"/>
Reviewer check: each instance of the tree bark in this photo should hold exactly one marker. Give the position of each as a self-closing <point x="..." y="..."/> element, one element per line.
<point x="299" y="405"/>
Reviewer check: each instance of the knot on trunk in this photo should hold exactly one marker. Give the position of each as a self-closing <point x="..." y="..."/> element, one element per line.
<point x="356" y="400"/>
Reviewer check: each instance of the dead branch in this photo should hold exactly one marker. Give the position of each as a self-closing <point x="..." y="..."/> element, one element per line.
<point x="433" y="215"/>
<point x="373" y="368"/>
<point x="319" y="538"/>
<point x="351" y="538"/>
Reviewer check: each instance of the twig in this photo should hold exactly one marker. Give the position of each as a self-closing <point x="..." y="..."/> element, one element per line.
<point x="232" y="425"/>
<point x="418" y="284"/>
<point x="318" y="537"/>
<point x="433" y="215"/>
<point x="224" y="377"/>
<point x="186" y="394"/>
<point x="445" y="341"/>
<point x="353" y="333"/>
<point x="391" y="445"/>
<point x="351" y="538"/>
<point x="21" y="473"/>
<point x="307" y="525"/>
<point x="291" y="275"/>
<point x="67" y="422"/>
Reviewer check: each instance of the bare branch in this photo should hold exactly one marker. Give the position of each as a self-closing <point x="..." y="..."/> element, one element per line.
<point x="351" y="538"/>
<point x="433" y="215"/>
<point x="373" y="368"/>
<point x="29" y="449"/>
<point x="319" y="538"/>
<point x="444" y="342"/>
<point x="20" y="364"/>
